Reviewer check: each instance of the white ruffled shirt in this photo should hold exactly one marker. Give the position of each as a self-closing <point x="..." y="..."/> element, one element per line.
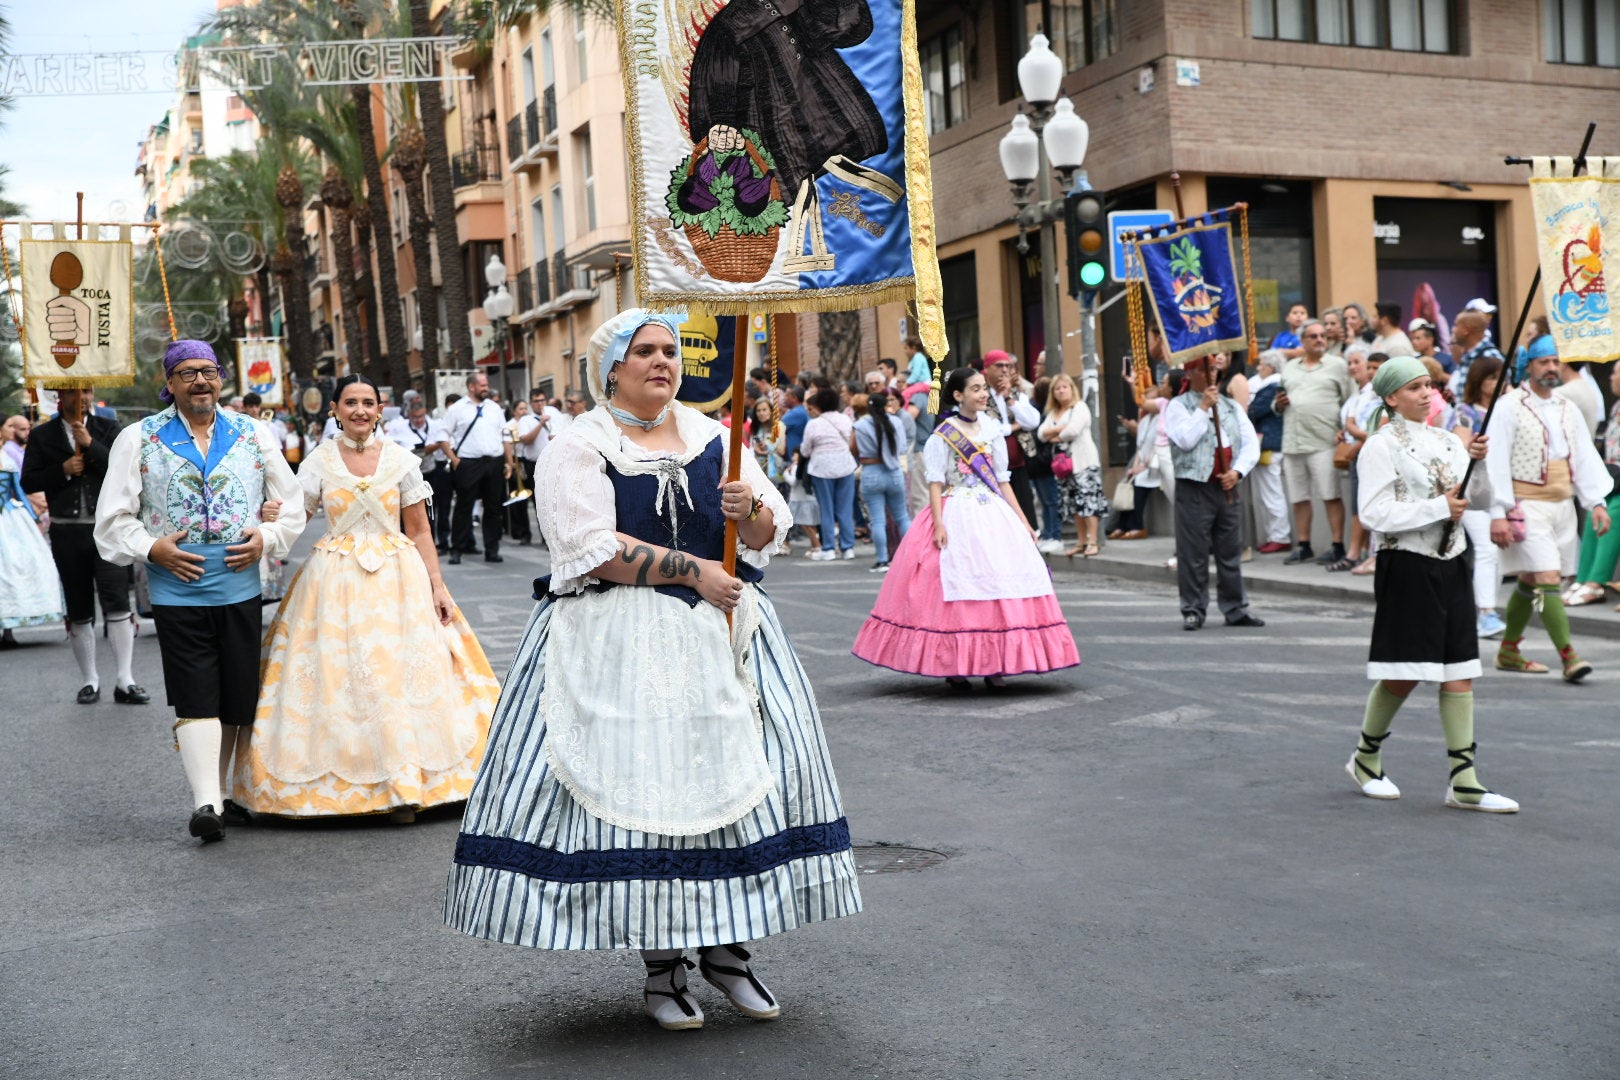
<point x="1404" y="471"/>
<point x="573" y="496"/>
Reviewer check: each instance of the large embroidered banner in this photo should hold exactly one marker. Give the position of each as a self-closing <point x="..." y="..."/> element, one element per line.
<point x="1577" y="224"/>
<point x="779" y="157"/>
<point x="78" y="312"/>
<point x="1192" y="279"/>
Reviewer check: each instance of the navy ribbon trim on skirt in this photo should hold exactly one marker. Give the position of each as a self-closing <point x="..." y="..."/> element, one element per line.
<point x="652" y="864"/>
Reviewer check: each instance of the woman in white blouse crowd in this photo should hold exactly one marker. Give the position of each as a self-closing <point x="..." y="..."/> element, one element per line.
<point x="827" y="444"/>
<point x="1068" y="425"/>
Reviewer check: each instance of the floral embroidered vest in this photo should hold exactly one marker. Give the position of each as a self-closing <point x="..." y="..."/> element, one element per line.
<point x="212" y="501"/>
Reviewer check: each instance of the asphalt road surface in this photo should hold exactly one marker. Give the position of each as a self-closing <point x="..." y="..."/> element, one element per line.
<point x="1155" y="867"/>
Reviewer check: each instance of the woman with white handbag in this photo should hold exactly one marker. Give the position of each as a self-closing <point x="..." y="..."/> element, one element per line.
<point x="1067" y="424"/>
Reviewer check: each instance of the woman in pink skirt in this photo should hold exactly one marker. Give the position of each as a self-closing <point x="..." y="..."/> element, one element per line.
<point x="968" y="594"/>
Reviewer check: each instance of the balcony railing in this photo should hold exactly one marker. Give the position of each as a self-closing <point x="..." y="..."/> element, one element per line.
<point x="542" y="280"/>
<point x="531" y="122"/>
<point x="560" y="282"/>
<point x="475" y="166"/>
<point x="525" y="292"/>
<point x="514" y="138"/>
<point x="548" y="111"/>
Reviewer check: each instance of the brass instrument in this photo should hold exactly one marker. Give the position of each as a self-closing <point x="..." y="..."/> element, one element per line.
<point x="515" y="484"/>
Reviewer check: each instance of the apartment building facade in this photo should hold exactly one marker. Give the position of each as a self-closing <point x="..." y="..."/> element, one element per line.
<point x="1366" y="136"/>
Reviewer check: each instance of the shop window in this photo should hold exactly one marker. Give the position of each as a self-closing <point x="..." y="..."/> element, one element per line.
<point x="945" y="76"/>
<point x="959" y="278"/>
<point x="1581" y="32"/>
<point x="1282" y="255"/>
<point x="1403" y="25"/>
<point x="1082" y="32"/>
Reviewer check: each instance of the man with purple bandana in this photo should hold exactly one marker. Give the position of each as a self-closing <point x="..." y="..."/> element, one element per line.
<point x="184" y="493"/>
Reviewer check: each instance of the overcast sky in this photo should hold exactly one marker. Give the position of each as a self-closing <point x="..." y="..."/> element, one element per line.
<point x="56" y="146"/>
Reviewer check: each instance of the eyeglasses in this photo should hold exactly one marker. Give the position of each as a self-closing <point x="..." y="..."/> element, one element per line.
<point x="191" y="375"/>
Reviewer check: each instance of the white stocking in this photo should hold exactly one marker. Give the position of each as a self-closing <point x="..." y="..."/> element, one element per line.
<point x="122" y="633"/>
<point x="199" y="742"/>
<point x="83" y="637"/>
<point x="230" y="736"/>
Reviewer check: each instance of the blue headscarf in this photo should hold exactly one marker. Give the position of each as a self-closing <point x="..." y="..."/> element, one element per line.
<point x="612" y="340"/>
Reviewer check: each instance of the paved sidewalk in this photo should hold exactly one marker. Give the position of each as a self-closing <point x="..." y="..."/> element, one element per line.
<point x="1144" y="560"/>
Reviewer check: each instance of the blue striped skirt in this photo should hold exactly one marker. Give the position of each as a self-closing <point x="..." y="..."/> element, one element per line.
<point x="534" y="868"/>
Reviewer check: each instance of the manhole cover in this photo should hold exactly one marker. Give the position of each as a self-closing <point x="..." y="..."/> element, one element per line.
<point x="881" y="858"/>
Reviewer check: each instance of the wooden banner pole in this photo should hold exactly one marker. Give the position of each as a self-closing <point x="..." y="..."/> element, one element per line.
<point x="739" y="380"/>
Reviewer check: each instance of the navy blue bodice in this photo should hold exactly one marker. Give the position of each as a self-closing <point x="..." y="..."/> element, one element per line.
<point x="699" y="529"/>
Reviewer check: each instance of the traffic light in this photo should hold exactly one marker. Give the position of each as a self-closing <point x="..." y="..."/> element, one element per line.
<point x="1085" y="217"/>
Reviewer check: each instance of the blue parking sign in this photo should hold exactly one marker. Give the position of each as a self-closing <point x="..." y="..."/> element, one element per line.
<point x="1124" y="221"/>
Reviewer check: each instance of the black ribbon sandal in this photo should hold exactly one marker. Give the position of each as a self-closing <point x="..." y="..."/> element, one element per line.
<point x="709" y="971"/>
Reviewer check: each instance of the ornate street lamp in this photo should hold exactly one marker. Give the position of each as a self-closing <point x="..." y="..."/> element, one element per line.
<point x="498" y="309"/>
<point x="1050" y="136"/>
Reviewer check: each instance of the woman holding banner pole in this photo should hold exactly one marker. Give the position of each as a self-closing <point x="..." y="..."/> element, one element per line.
<point x="656" y="780"/>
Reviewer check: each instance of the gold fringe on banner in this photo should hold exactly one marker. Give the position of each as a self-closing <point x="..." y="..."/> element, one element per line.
<point x="930" y="291"/>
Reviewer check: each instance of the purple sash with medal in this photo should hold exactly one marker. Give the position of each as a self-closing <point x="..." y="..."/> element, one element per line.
<point x="970" y="452"/>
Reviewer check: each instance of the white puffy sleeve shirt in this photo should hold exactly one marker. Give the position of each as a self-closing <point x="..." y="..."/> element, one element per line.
<point x="574" y="498"/>
<point x="1404" y="471"/>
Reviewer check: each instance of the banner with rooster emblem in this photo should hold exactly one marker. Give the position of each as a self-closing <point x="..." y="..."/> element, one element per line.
<point x="259" y="369"/>
<point x="1577" y="218"/>
<point x="779" y="157"/>
<point x="1194" y="286"/>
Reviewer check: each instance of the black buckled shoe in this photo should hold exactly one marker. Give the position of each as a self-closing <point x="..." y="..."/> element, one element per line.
<point x="1192" y="621"/>
<point x="88" y="695"/>
<point x="236" y="814"/>
<point x="131" y="695"/>
<point x="206" y="825"/>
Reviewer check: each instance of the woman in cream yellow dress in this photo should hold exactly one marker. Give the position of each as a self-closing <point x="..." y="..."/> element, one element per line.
<point x="376" y="695"/>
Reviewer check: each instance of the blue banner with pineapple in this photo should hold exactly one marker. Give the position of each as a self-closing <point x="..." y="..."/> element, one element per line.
<point x="1191" y="273"/>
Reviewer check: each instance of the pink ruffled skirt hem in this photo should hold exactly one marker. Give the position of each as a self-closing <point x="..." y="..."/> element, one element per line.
<point x="914" y="629"/>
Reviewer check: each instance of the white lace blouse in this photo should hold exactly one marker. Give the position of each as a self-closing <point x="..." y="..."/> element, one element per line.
<point x="573" y="495"/>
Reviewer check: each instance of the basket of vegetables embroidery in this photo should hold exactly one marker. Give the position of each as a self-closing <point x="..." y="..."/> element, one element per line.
<point x="730" y="205"/>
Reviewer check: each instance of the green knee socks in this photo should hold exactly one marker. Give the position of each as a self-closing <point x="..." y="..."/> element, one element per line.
<point x="1517" y="613"/>
<point x="1527" y="598"/>
<point x="1381" y="709"/>
<point x="1457" y="721"/>
<point x="1554" y="617"/>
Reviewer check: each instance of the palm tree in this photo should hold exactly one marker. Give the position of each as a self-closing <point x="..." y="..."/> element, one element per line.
<point x="332" y="20"/>
<point x="452" y="269"/>
<point x="332" y="132"/>
<point x="243" y="192"/>
<point x="409" y="157"/>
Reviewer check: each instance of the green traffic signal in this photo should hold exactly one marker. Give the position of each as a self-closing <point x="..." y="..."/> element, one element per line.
<point x="1092" y="274"/>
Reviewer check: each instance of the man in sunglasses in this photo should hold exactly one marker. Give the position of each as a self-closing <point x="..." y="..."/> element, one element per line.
<point x="184" y="493"/>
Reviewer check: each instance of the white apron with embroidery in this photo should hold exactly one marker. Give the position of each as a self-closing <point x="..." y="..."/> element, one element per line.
<point x="652" y="718"/>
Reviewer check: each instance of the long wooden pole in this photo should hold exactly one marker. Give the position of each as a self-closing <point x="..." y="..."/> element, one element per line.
<point x="1512" y="342"/>
<point x="739" y="380"/>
